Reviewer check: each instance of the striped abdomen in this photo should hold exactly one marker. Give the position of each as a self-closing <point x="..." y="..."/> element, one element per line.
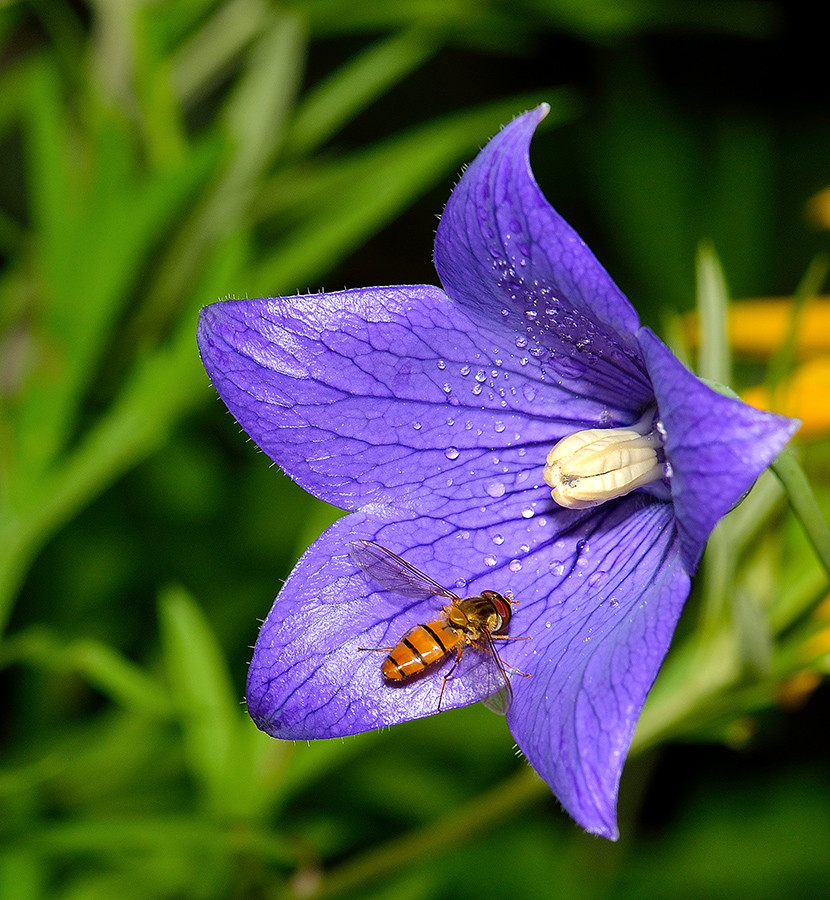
<point x="420" y="647"/>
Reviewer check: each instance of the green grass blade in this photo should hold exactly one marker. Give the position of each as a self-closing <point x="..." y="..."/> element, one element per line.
<point x="715" y="356"/>
<point x="208" y="708"/>
<point x="336" y="100"/>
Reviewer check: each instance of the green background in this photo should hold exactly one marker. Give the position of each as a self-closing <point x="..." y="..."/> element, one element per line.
<point x="155" y="157"/>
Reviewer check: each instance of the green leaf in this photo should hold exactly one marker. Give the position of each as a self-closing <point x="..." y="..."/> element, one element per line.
<point x="101" y="665"/>
<point x="199" y="63"/>
<point x="352" y="87"/>
<point x="203" y="693"/>
<point x="715" y="357"/>
<point x="90" y="247"/>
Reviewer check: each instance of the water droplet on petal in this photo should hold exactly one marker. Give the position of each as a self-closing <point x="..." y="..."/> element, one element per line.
<point x="499" y="427"/>
<point x="515" y="565"/>
<point x="498" y="539"/>
<point x="451" y="453"/>
<point x="464" y="370"/>
<point x="416" y="426"/>
<point x="557" y="567"/>
<point x="529" y="391"/>
<point x="527" y="513"/>
<point x="481" y="375"/>
<point x="442" y="364"/>
<point x="489" y="560"/>
<point x="477" y="389"/>
<point x="597" y="578"/>
<point x="495" y="490"/>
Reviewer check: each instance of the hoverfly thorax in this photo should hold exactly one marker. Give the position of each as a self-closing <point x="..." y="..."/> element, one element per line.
<point x="488" y="611"/>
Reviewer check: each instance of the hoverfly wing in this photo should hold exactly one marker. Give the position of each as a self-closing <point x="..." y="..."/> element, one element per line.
<point x="500" y="694"/>
<point x="394" y="573"/>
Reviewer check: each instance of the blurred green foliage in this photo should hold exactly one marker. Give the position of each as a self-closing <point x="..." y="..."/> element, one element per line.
<point x="159" y="155"/>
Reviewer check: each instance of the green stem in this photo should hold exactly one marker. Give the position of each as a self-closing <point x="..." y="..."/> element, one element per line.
<point x="801" y="499"/>
<point x="504" y="800"/>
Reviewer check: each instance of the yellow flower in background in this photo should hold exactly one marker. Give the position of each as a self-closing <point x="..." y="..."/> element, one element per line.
<point x="805" y="395"/>
<point x="757" y="328"/>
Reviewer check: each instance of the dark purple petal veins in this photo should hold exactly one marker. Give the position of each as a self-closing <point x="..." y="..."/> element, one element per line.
<point x="396" y="396"/>
<point x="600" y="633"/>
<point x="716" y="446"/>
<point x="312" y="675"/>
<point x="598" y="597"/>
<point x="503" y="251"/>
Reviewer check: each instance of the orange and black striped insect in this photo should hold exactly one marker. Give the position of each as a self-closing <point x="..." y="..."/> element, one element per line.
<point x="465" y="622"/>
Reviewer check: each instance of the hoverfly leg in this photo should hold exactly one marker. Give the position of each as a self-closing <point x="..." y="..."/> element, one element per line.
<point x="449" y="675"/>
<point x="377" y="649"/>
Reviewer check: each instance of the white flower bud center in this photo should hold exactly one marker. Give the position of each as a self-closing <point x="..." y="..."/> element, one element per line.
<point x="588" y="467"/>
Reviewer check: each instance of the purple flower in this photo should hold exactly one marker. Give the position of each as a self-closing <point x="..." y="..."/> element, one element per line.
<point x="431" y="415"/>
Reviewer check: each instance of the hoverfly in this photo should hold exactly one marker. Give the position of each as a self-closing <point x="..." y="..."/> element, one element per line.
<point x="465" y="622"/>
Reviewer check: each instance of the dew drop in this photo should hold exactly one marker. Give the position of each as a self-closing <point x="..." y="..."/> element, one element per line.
<point x="442" y="364"/>
<point x="515" y="565"/>
<point x="451" y="453"/>
<point x="464" y="370"/>
<point x="527" y="513"/>
<point x="489" y="560"/>
<point x="495" y="490"/>
<point x="525" y="548"/>
<point x="531" y="314"/>
<point x="416" y="426"/>
<point x="521" y="342"/>
<point x="477" y="389"/>
<point x="498" y="539"/>
<point x="529" y="391"/>
<point x="481" y="375"/>
<point x="447" y="388"/>
<point x="597" y="578"/>
<point x="499" y="427"/>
